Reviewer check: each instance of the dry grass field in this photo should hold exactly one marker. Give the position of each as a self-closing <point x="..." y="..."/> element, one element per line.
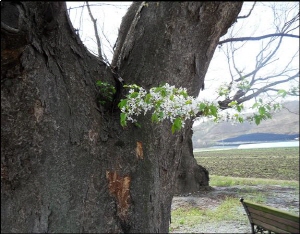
<point x="271" y="163"/>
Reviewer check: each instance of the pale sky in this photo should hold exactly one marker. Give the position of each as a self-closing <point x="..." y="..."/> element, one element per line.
<point x="109" y="16"/>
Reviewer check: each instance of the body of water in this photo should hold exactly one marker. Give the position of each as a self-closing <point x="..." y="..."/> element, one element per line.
<point x="251" y="146"/>
<point x="269" y="145"/>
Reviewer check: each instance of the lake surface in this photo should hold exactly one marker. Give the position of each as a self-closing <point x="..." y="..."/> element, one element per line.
<point x="253" y="145"/>
<point x="269" y="145"/>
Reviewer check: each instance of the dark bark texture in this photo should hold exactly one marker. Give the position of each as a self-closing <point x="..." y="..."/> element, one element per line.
<point x="66" y="163"/>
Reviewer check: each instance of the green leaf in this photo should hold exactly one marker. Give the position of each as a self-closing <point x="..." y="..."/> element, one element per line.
<point x="202" y="106"/>
<point x="262" y="110"/>
<point x="206" y="111"/>
<point x="158" y="103"/>
<point x="137" y="125"/>
<point x="99" y="83"/>
<point x="163" y="92"/>
<point x="161" y="115"/>
<point x="134" y="95"/>
<point x="113" y="89"/>
<point x="240" y="119"/>
<point x="268" y="115"/>
<point x="184" y="94"/>
<point x="213" y="110"/>
<point x="123" y="119"/>
<point x="282" y="92"/>
<point x="233" y="103"/>
<point x="173" y="129"/>
<point x="239" y="107"/>
<point x="276" y="106"/>
<point x="154" y="117"/>
<point x="122" y="103"/>
<point x="257" y="119"/>
<point x="177" y="124"/>
<point x="157" y="89"/>
<point x="148" y="98"/>
<point x="256" y="104"/>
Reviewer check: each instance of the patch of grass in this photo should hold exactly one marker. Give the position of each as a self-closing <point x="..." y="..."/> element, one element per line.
<point x="229" y="209"/>
<point x="225" y="181"/>
<point x="187" y="216"/>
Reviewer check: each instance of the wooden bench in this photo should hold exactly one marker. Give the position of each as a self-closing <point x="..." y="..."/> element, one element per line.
<point x="264" y="218"/>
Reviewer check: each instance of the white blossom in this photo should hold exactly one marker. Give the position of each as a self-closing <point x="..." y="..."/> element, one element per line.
<point x="166" y="102"/>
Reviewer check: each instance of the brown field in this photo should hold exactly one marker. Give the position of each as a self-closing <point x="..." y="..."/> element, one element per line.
<point x="271" y="163"/>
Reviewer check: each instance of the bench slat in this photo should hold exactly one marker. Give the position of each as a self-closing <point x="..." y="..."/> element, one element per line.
<point x="272" y="210"/>
<point x="272" y="219"/>
<point x="265" y="222"/>
<point x="269" y="227"/>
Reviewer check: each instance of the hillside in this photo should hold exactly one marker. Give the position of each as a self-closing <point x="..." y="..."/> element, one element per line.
<point x="284" y="122"/>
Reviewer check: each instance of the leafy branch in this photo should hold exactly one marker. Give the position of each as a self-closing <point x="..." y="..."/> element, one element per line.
<point x="174" y="104"/>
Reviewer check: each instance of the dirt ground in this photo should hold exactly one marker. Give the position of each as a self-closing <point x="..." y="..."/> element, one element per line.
<point x="276" y="196"/>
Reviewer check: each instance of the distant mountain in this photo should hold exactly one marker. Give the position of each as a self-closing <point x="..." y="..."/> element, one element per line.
<point x="284" y="122"/>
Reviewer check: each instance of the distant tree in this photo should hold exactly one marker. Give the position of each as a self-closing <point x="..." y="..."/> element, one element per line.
<point x="269" y="73"/>
<point x="266" y="75"/>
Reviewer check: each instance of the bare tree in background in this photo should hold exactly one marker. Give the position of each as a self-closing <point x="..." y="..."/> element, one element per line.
<point x="248" y="82"/>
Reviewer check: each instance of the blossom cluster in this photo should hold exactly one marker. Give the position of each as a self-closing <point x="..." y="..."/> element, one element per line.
<point x="166" y="102"/>
<point x="169" y="102"/>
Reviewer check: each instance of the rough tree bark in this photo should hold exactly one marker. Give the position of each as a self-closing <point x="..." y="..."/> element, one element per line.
<point x="66" y="163"/>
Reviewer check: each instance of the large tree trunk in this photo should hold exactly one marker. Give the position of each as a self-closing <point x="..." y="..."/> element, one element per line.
<point x="66" y="163"/>
<point x="173" y="43"/>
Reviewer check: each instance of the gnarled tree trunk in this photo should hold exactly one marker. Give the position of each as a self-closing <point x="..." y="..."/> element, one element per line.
<point x="66" y="163"/>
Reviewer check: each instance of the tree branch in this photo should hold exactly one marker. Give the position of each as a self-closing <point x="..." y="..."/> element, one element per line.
<point x="266" y="88"/>
<point x="258" y="38"/>
<point x="96" y="31"/>
<point x="246" y="16"/>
